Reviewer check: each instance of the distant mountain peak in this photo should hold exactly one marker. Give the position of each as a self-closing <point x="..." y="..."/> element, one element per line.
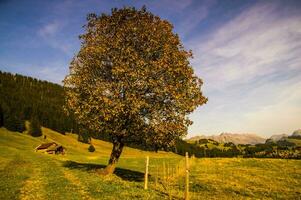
<point x="278" y="137"/>
<point x="236" y="138"/>
<point x="297" y="132"/>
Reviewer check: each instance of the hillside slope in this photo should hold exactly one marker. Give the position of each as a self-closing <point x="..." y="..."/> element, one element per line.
<point x="26" y="174"/>
<point x="23" y="98"/>
<point x="37" y="175"/>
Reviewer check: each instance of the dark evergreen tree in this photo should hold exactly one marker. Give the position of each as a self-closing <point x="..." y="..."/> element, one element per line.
<point x="20" y="124"/>
<point x="1" y="116"/>
<point x="14" y="123"/>
<point x="35" y="127"/>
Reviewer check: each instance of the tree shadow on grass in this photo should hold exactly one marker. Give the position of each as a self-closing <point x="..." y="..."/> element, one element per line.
<point x="125" y="174"/>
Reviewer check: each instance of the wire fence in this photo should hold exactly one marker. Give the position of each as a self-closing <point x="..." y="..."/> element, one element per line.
<point x="211" y="178"/>
<point x="170" y="176"/>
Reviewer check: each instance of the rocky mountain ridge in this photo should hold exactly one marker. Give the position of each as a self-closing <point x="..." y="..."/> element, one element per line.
<point x="245" y="138"/>
<point x="236" y="138"/>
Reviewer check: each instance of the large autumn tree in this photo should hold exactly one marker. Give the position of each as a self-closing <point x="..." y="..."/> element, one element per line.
<point x="132" y="79"/>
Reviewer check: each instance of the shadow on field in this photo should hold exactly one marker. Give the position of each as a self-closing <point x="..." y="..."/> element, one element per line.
<point x="125" y="174"/>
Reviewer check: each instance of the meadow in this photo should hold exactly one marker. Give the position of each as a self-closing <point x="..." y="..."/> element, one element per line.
<point x="26" y="174"/>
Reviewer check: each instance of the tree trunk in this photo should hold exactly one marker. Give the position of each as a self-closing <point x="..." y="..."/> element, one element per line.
<point x="116" y="152"/>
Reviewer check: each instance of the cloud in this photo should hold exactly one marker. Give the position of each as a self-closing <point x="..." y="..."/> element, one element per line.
<point x="248" y="65"/>
<point x="170" y="6"/>
<point x="185" y="14"/>
<point x="253" y="44"/>
<point x="193" y="18"/>
<point x="192" y="15"/>
<point x="271" y="108"/>
<point x="50" y="29"/>
<point x="53" y="34"/>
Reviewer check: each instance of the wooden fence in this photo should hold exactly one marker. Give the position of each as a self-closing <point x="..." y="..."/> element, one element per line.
<point x="169" y="175"/>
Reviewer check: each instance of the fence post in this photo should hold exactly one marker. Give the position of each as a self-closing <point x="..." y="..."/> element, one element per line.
<point x="164" y="173"/>
<point x="187" y="177"/>
<point x="157" y="175"/>
<point x="146" y="173"/>
<point x="168" y="172"/>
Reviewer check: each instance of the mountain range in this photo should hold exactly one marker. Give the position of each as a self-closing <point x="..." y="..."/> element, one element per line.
<point x="245" y="138"/>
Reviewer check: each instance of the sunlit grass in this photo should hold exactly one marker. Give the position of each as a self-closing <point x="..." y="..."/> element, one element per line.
<point x="26" y="174"/>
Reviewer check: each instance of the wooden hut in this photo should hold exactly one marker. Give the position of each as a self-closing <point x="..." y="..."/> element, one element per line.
<point x="51" y="148"/>
<point x="59" y="149"/>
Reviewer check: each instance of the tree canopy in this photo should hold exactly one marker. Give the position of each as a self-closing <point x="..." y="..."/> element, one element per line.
<point x="132" y="79"/>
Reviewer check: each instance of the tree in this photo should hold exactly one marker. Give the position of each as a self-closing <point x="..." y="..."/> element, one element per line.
<point x="1" y="116"/>
<point x="35" y="127"/>
<point x="14" y="123"/>
<point x="91" y="148"/>
<point x="132" y="79"/>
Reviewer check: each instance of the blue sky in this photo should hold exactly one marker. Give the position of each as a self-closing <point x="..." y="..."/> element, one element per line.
<point x="247" y="52"/>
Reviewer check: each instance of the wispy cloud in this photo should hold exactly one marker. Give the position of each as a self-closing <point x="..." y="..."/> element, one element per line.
<point x="242" y="62"/>
<point x="253" y="44"/>
<point x="170" y="6"/>
<point x="50" y="29"/>
<point x="192" y="15"/>
<point x="52" y="34"/>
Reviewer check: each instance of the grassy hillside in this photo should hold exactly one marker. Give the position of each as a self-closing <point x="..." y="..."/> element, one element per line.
<point x="26" y="174"/>
<point x="295" y="141"/>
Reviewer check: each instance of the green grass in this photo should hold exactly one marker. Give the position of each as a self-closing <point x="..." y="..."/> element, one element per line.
<point x="26" y="174"/>
<point x="247" y="178"/>
<point x="295" y="141"/>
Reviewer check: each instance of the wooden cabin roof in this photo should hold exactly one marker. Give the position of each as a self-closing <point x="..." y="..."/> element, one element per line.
<point x="46" y="145"/>
<point x="53" y="148"/>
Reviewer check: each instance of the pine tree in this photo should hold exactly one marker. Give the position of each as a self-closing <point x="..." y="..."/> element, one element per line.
<point x="14" y="123"/>
<point x="20" y="124"/>
<point x="1" y="117"/>
<point x="35" y="127"/>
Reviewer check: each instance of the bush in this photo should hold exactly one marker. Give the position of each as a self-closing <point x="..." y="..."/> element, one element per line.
<point x="35" y="128"/>
<point x="91" y="148"/>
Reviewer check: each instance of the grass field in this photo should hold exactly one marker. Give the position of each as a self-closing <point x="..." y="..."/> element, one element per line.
<point x="26" y="174"/>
